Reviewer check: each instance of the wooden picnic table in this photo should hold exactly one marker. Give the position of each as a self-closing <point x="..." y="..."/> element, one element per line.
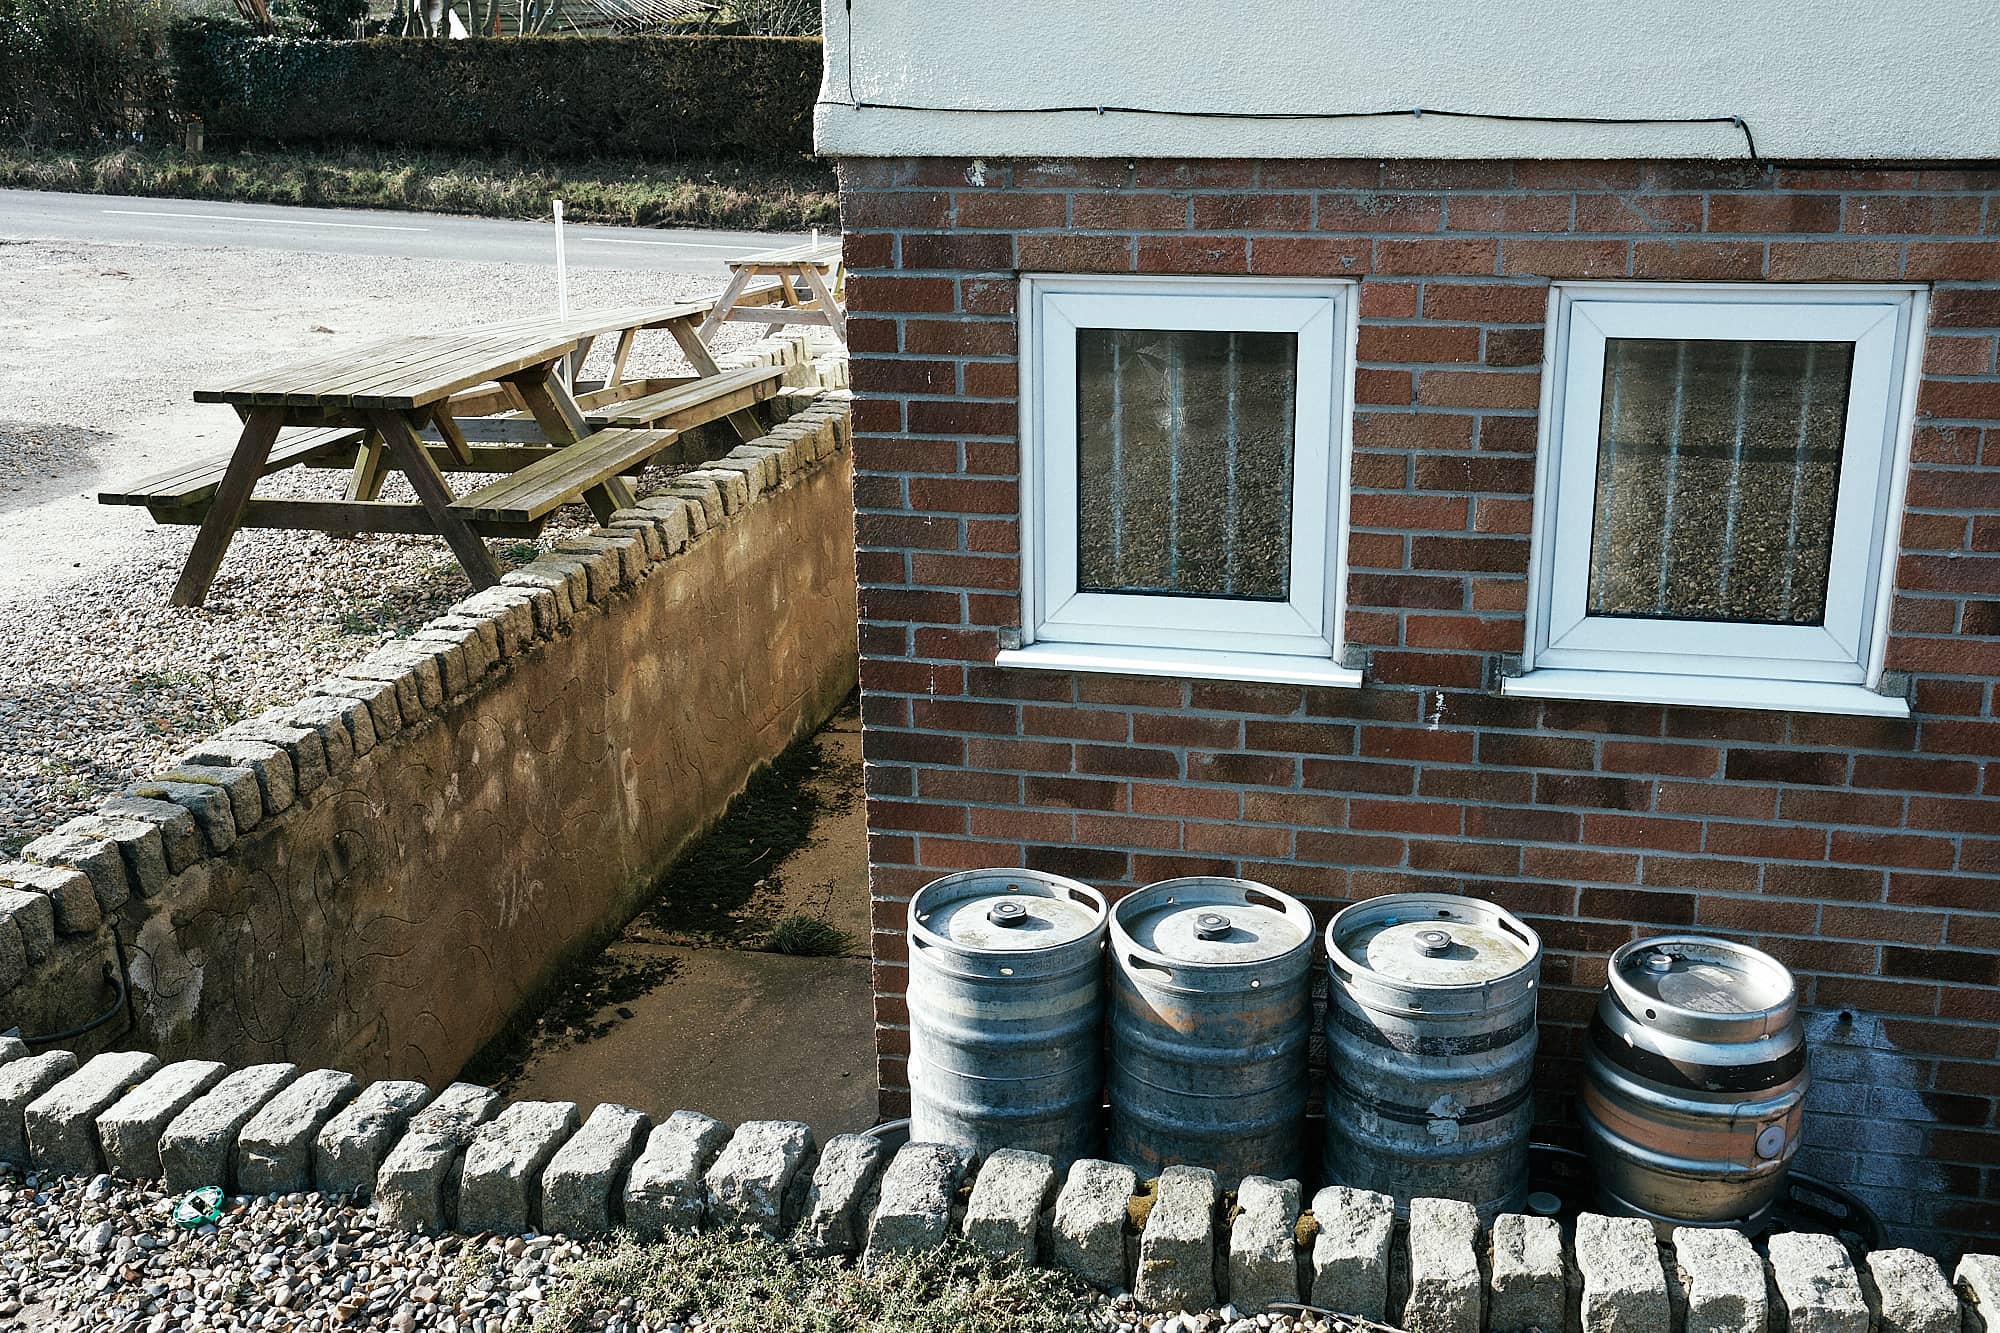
<point x="814" y="267"/>
<point x="425" y="405"/>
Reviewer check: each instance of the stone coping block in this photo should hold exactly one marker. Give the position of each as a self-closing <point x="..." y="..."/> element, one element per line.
<point x="751" y="1181"/>
<point x="1177" y="1248"/>
<point x="130" y="1129"/>
<point x="274" y="1153"/>
<point x="1087" y="1235"/>
<point x="209" y="804"/>
<point x="1817" y="1283"/>
<point x="1624" y="1285"/>
<point x="1350" y="1255"/>
<point x="842" y="1195"/>
<point x="199" y="1146"/>
<point x="21" y="1082"/>
<point x="664" y="1190"/>
<point x="180" y="840"/>
<point x="239" y="785"/>
<point x="79" y="845"/>
<point x="136" y="840"/>
<point x="501" y="1187"/>
<point x="913" y="1209"/>
<point x="1722" y="1281"/>
<point x="61" y="1124"/>
<point x="1526" y="1280"/>
<point x="417" y="1186"/>
<point x="385" y="710"/>
<point x="39" y="900"/>
<point x="585" y="1181"/>
<point x="1908" y="1292"/>
<point x="268" y="763"/>
<point x="1263" y="1245"/>
<point x="1977" y="1281"/>
<point x="350" y="1147"/>
<point x="1005" y="1210"/>
<point x="1445" y="1286"/>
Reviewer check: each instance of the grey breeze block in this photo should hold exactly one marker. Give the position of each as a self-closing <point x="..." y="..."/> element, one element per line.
<point x="350" y="1147"/>
<point x="130" y="1130"/>
<point x="198" y="1146"/>
<point x="274" y="1153"/>
<point x="751" y="1182"/>
<point x="664" y="1190"/>
<point x="1087" y="1236"/>
<point x="61" y="1124"/>
<point x="585" y="1180"/>
<point x="1177" y="1248"/>
<point x="416" y="1188"/>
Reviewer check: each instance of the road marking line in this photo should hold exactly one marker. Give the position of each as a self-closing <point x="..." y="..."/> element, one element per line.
<point x="269" y="222"/>
<point x="677" y="245"/>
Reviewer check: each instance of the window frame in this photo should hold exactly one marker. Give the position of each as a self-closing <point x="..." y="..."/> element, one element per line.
<point x="1225" y="638"/>
<point x="1836" y="666"/>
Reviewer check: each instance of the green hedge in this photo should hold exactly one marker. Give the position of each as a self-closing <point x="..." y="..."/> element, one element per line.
<point x="559" y="97"/>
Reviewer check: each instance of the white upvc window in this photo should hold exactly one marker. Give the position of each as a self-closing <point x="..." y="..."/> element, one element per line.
<point x="1719" y="485"/>
<point x="1184" y="451"/>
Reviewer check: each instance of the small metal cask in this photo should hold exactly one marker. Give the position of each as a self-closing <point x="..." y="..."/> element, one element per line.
<point x="1694" y="1082"/>
<point x="1006" y="1002"/>
<point x="1430" y="1028"/>
<point x="1210" y="1022"/>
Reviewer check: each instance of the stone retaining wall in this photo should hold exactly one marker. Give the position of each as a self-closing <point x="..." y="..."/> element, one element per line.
<point x="463" y="1160"/>
<point x="379" y="875"/>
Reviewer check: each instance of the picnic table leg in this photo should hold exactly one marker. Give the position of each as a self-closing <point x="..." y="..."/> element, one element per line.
<point x="225" y="511"/>
<point x="407" y="448"/>
<point x="720" y="310"/>
<point x="556" y="412"/>
<point x="365" y="482"/>
<point x="743" y="422"/>
<point x="836" y="318"/>
<point x="625" y="341"/>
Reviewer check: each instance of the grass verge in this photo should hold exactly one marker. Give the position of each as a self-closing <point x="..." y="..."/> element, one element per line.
<point x="758" y="196"/>
<point x="752" y="1285"/>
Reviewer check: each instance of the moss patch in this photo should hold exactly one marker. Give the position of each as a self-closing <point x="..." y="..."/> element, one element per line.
<point x="751" y="1285"/>
<point x="1140" y="1206"/>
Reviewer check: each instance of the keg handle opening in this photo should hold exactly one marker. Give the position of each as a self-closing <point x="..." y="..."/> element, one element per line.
<point x="1257" y="899"/>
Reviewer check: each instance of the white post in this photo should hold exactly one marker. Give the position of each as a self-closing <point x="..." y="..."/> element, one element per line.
<point x="562" y="268"/>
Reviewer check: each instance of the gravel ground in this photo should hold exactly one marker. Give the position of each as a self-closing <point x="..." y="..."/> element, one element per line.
<point x="103" y="1254"/>
<point x="100" y="679"/>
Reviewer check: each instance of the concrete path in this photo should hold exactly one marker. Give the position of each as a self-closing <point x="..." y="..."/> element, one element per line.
<point x="746" y="1035"/>
<point x="116" y="219"/>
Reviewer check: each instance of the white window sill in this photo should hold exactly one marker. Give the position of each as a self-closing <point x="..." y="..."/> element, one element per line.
<point x="1639" y="687"/>
<point x="1267" y="668"/>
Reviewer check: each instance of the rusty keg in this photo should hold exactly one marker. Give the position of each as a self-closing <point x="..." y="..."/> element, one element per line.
<point x="1430" y="1029"/>
<point x="1006" y="1001"/>
<point x="1694" y="1082"/>
<point x="1210" y="1022"/>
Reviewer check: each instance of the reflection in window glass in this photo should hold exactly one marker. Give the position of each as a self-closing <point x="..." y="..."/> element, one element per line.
<point x="1718" y="467"/>
<point x="1184" y="462"/>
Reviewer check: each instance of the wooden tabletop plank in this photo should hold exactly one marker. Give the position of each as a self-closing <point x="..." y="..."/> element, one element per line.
<point x="414" y="373"/>
<point x="826" y="252"/>
<point x="599" y="323"/>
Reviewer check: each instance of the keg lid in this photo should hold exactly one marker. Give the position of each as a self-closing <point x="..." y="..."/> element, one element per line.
<point x="1698" y="980"/>
<point x="1213" y="921"/>
<point x="1006" y="911"/>
<point x="1432" y="939"/>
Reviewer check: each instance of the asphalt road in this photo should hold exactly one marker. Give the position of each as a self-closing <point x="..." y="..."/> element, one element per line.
<point x="343" y="231"/>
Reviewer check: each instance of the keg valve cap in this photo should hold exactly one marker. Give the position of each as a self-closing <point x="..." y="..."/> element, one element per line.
<point x="1770" y="1141"/>
<point x="1007" y="912"/>
<point x="1211" y="925"/>
<point x="1436" y="943"/>
<point x="1657" y="961"/>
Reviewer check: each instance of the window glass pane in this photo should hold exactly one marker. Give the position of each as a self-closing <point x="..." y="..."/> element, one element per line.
<point x="1718" y="466"/>
<point x="1184" y="462"/>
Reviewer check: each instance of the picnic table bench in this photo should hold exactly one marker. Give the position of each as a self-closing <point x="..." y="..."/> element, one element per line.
<point x="816" y="267"/>
<point x="414" y="402"/>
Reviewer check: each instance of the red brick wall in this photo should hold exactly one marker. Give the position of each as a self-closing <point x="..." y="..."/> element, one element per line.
<point x="1864" y="853"/>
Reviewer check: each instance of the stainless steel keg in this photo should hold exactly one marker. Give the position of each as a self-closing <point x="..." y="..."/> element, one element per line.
<point x="1694" y="1082"/>
<point x="1006" y="1001"/>
<point x="1430" y="1031"/>
<point x="1210" y="1022"/>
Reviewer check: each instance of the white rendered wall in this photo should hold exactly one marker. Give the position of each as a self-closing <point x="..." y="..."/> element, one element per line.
<point x="1884" y="79"/>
